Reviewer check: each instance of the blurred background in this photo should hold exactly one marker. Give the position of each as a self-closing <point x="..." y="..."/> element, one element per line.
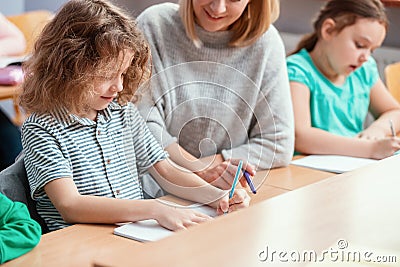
<point x="295" y="19"/>
<point x="296" y="15"/>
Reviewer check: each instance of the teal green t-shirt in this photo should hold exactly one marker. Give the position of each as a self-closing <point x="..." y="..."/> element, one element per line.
<point x="18" y="232"/>
<point x="341" y="109"/>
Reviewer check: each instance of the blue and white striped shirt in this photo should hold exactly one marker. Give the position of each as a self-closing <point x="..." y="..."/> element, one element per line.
<point x="103" y="157"/>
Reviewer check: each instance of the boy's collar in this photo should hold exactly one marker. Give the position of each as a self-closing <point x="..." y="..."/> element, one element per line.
<point x="103" y="116"/>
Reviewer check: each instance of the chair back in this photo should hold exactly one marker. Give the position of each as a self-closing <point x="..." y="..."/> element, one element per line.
<point x="14" y="184"/>
<point x="392" y="77"/>
<point x="31" y="24"/>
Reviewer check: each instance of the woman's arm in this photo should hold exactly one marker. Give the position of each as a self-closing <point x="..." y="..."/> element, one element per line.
<point x="183" y="183"/>
<point x="271" y="138"/>
<point x="213" y="169"/>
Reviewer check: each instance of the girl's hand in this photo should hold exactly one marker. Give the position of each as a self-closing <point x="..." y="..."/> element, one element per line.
<point x="382" y="148"/>
<point x="177" y="218"/>
<point x="222" y="175"/>
<point x="372" y="133"/>
<point x="239" y="200"/>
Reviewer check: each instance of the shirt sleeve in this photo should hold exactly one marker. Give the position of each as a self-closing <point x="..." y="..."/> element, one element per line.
<point x="296" y="71"/>
<point x="153" y="113"/>
<point x="44" y="159"/>
<point x="271" y="140"/>
<point x="18" y="232"/>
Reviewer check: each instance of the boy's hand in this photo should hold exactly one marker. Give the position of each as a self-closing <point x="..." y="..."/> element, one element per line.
<point x="239" y="200"/>
<point x="177" y="218"/>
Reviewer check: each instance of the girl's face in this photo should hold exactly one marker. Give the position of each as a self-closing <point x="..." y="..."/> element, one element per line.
<point x="218" y="15"/>
<point x="106" y="89"/>
<point x="350" y="48"/>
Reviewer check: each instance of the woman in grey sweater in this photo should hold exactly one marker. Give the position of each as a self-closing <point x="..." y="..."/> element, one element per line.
<point x="220" y="89"/>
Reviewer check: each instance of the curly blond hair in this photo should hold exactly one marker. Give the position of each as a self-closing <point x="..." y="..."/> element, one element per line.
<point x="84" y="40"/>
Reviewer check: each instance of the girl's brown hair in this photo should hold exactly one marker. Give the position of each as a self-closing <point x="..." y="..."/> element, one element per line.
<point x="254" y="22"/>
<point x="84" y="41"/>
<point x="344" y="13"/>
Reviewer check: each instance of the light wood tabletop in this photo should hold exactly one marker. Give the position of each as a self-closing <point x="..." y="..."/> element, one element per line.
<point x="83" y="245"/>
<point x="355" y="212"/>
<point x="8" y="92"/>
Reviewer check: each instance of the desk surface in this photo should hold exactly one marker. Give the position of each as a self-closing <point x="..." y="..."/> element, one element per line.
<point x="81" y="245"/>
<point x="360" y="208"/>
<point x="8" y="92"/>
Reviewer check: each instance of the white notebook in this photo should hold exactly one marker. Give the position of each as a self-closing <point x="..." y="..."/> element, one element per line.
<point x="150" y="230"/>
<point x="332" y="163"/>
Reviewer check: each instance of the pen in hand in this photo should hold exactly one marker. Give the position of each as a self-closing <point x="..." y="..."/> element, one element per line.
<point x="236" y="179"/>
<point x="392" y="128"/>
<point x="249" y="181"/>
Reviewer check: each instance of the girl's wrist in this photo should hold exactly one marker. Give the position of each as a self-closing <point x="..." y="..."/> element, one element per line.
<point x="371" y="149"/>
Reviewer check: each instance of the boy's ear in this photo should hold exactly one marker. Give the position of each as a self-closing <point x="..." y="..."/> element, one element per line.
<point x="328" y="28"/>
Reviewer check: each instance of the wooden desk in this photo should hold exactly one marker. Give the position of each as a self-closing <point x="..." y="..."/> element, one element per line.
<point x="291" y="177"/>
<point x="81" y="245"/>
<point x="278" y="181"/>
<point x="12" y="92"/>
<point x="360" y="207"/>
<point x="77" y="245"/>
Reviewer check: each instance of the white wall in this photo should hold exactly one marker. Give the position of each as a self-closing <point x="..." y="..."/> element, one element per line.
<point x="11" y="7"/>
<point x="52" y="5"/>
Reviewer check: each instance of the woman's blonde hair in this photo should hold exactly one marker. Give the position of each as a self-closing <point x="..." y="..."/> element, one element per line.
<point x="344" y="13"/>
<point x="83" y="42"/>
<point x="254" y="22"/>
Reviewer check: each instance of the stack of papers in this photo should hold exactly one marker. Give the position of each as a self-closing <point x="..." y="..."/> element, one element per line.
<point x="150" y="230"/>
<point x="332" y="163"/>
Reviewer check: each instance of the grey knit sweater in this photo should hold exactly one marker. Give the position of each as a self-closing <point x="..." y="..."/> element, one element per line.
<point x="217" y="99"/>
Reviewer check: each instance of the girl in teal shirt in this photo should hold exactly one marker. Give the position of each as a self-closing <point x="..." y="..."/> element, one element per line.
<point x="18" y="232"/>
<point x="334" y="82"/>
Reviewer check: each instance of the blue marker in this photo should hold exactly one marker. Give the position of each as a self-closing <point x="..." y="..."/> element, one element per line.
<point x="236" y="179"/>
<point x="249" y="182"/>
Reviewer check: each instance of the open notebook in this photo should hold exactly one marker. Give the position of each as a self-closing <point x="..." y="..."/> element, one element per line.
<point x="150" y="230"/>
<point x="332" y="163"/>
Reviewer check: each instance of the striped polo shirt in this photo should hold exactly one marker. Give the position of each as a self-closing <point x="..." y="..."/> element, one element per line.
<point x="104" y="157"/>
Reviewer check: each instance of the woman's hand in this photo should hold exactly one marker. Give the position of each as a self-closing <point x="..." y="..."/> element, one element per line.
<point x="223" y="174"/>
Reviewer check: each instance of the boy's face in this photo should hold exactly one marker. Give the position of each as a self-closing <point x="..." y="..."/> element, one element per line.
<point x="106" y="89"/>
<point x="218" y="15"/>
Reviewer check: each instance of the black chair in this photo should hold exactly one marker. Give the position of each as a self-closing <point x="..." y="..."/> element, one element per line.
<point x="14" y="184"/>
